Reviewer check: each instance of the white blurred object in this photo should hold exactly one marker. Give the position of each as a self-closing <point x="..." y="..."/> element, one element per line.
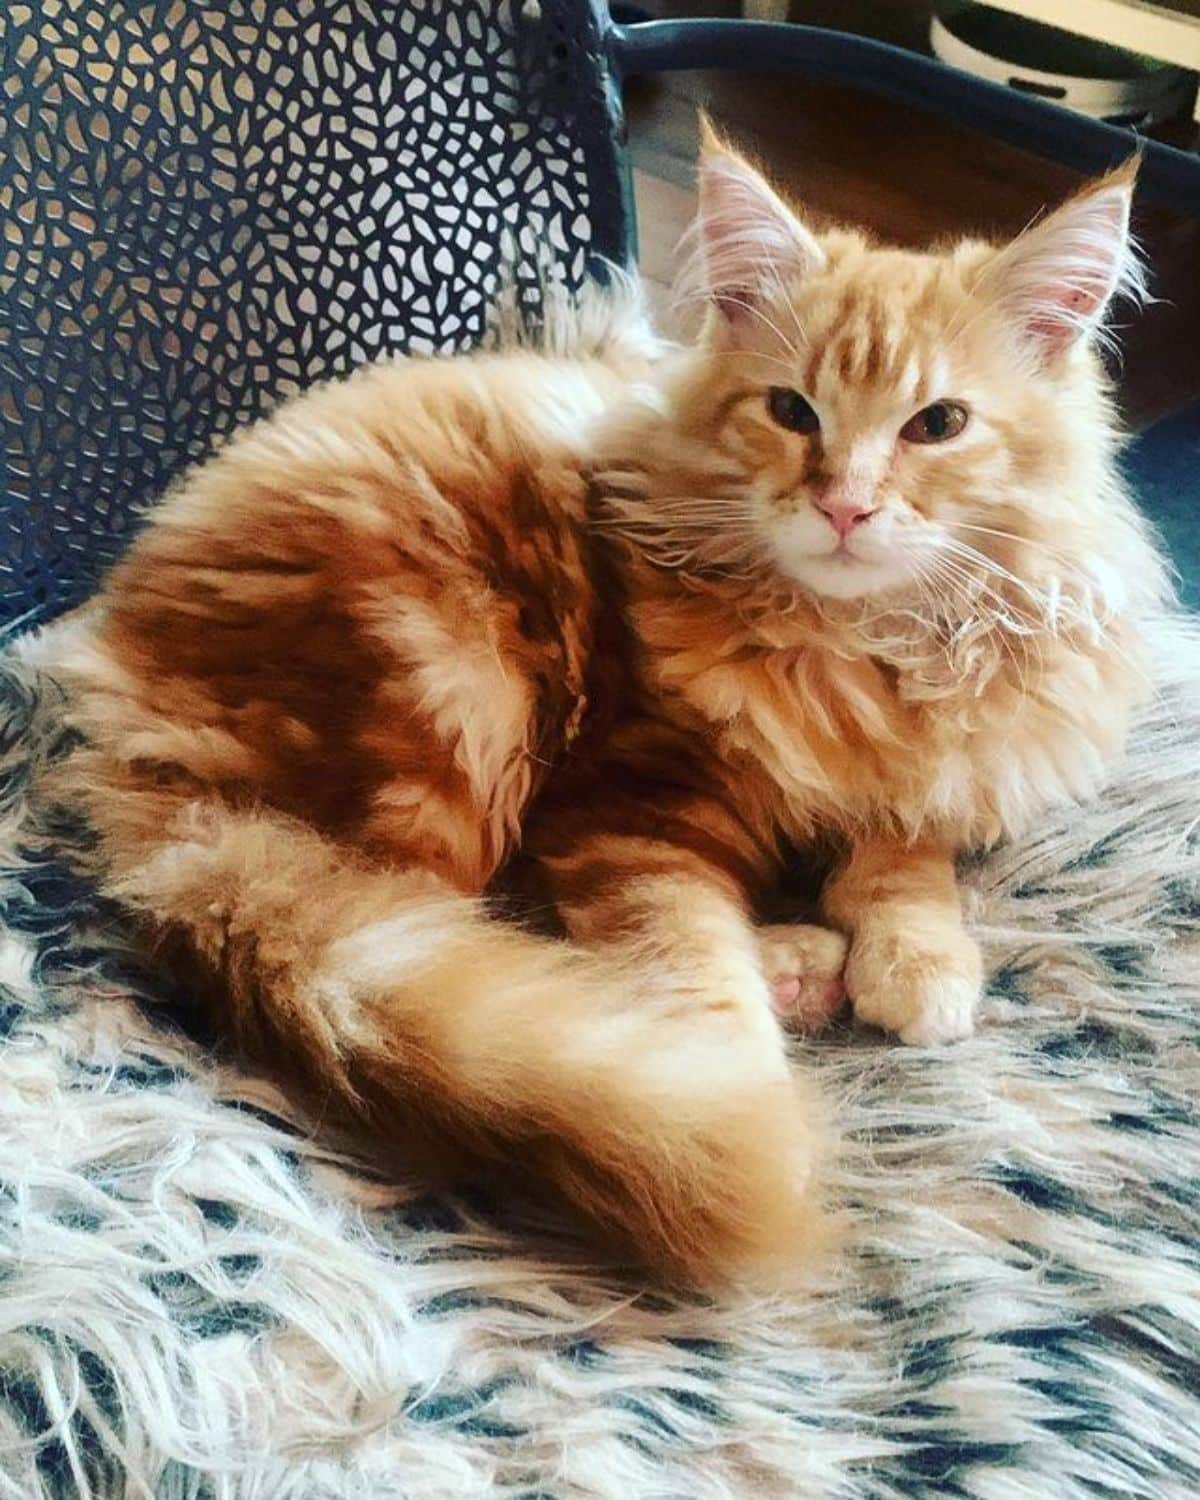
<point x="1106" y="82"/>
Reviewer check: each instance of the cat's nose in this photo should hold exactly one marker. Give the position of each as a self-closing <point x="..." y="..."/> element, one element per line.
<point x="844" y="515"/>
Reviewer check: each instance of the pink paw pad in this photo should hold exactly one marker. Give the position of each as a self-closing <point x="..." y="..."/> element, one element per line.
<point x="807" y="1006"/>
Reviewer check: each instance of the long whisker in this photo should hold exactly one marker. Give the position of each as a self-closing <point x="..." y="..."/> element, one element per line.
<point x="1008" y="536"/>
<point x="968" y="587"/>
<point x="1012" y="626"/>
<point x="972" y="555"/>
<point x="1065" y="566"/>
<point x="1050" y="608"/>
<point x="708" y="534"/>
<point x="788" y="302"/>
<point x="756" y="312"/>
<point x="966" y="562"/>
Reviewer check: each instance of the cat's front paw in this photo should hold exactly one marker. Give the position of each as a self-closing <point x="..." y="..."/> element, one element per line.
<point x="920" y="979"/>
<point x="803" y="965"/>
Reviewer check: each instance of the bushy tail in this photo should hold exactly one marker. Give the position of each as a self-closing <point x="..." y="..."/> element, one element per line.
<point x="408" y="1014"/>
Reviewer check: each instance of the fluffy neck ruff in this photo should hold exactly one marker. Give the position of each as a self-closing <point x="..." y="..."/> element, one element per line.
<point x="962" y="714"/>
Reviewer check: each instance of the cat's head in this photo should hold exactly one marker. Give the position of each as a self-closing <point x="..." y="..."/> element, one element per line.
<point x="875" y="417"/>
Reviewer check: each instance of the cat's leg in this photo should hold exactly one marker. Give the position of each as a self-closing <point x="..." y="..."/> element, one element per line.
<point x="913" y="968"/>
<point x="679" y="915"/>
<point x="655" y="859"/>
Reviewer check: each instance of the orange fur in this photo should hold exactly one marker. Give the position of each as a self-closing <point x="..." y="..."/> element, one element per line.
<point x="969" y="653"/>
<point x="585" y="611"/>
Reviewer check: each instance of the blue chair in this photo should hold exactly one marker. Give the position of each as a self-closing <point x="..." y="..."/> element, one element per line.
<point x="207" y="207"/>
<point x="1163" y="465"/>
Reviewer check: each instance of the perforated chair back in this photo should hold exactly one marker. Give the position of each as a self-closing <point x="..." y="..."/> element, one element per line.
<point x="206" y="206"/>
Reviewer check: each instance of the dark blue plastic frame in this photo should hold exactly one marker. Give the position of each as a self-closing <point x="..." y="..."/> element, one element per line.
<point x="1168" y="175"/>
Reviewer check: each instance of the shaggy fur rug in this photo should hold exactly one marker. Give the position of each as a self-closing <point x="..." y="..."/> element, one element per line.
<point x="200" y="1302"/>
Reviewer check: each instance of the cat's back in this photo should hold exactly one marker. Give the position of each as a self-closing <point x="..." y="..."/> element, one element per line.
<point x="391" y="574"/>
<point x="400" y="441"/>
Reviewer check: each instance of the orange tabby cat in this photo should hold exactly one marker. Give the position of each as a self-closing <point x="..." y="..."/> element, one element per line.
<point x="857" y="567"/>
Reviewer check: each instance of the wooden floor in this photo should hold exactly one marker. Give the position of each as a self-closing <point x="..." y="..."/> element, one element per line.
<point x="907" y="176"/>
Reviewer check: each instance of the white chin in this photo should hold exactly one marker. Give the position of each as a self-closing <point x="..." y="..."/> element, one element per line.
<point x="842" y="577"/>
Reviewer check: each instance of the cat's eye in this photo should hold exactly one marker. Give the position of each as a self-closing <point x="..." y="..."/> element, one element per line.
<point x="935" y="424"/>
<point x="791" y="410"/>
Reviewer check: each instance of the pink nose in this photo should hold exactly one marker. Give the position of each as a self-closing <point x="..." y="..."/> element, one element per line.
<point x="844" y="516"/>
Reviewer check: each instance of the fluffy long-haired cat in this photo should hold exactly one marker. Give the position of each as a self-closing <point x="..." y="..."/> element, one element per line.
<point x="855" y="569"/>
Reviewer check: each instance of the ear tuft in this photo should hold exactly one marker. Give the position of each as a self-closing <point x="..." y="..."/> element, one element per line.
<point x="1056" y="280"/>
<point x="746" y="239"/>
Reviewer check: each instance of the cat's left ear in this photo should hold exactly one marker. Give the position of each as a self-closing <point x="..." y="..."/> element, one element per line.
<point x="747" y="238"/>
<point x="1056" y="280"/>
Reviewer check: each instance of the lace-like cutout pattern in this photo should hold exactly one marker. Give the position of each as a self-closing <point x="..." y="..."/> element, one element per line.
<point x="205" y="207"/>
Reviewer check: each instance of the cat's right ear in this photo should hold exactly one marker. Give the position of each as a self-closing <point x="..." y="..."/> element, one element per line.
<point x="748" y="241"/>
<point x="1055" y="282"/>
